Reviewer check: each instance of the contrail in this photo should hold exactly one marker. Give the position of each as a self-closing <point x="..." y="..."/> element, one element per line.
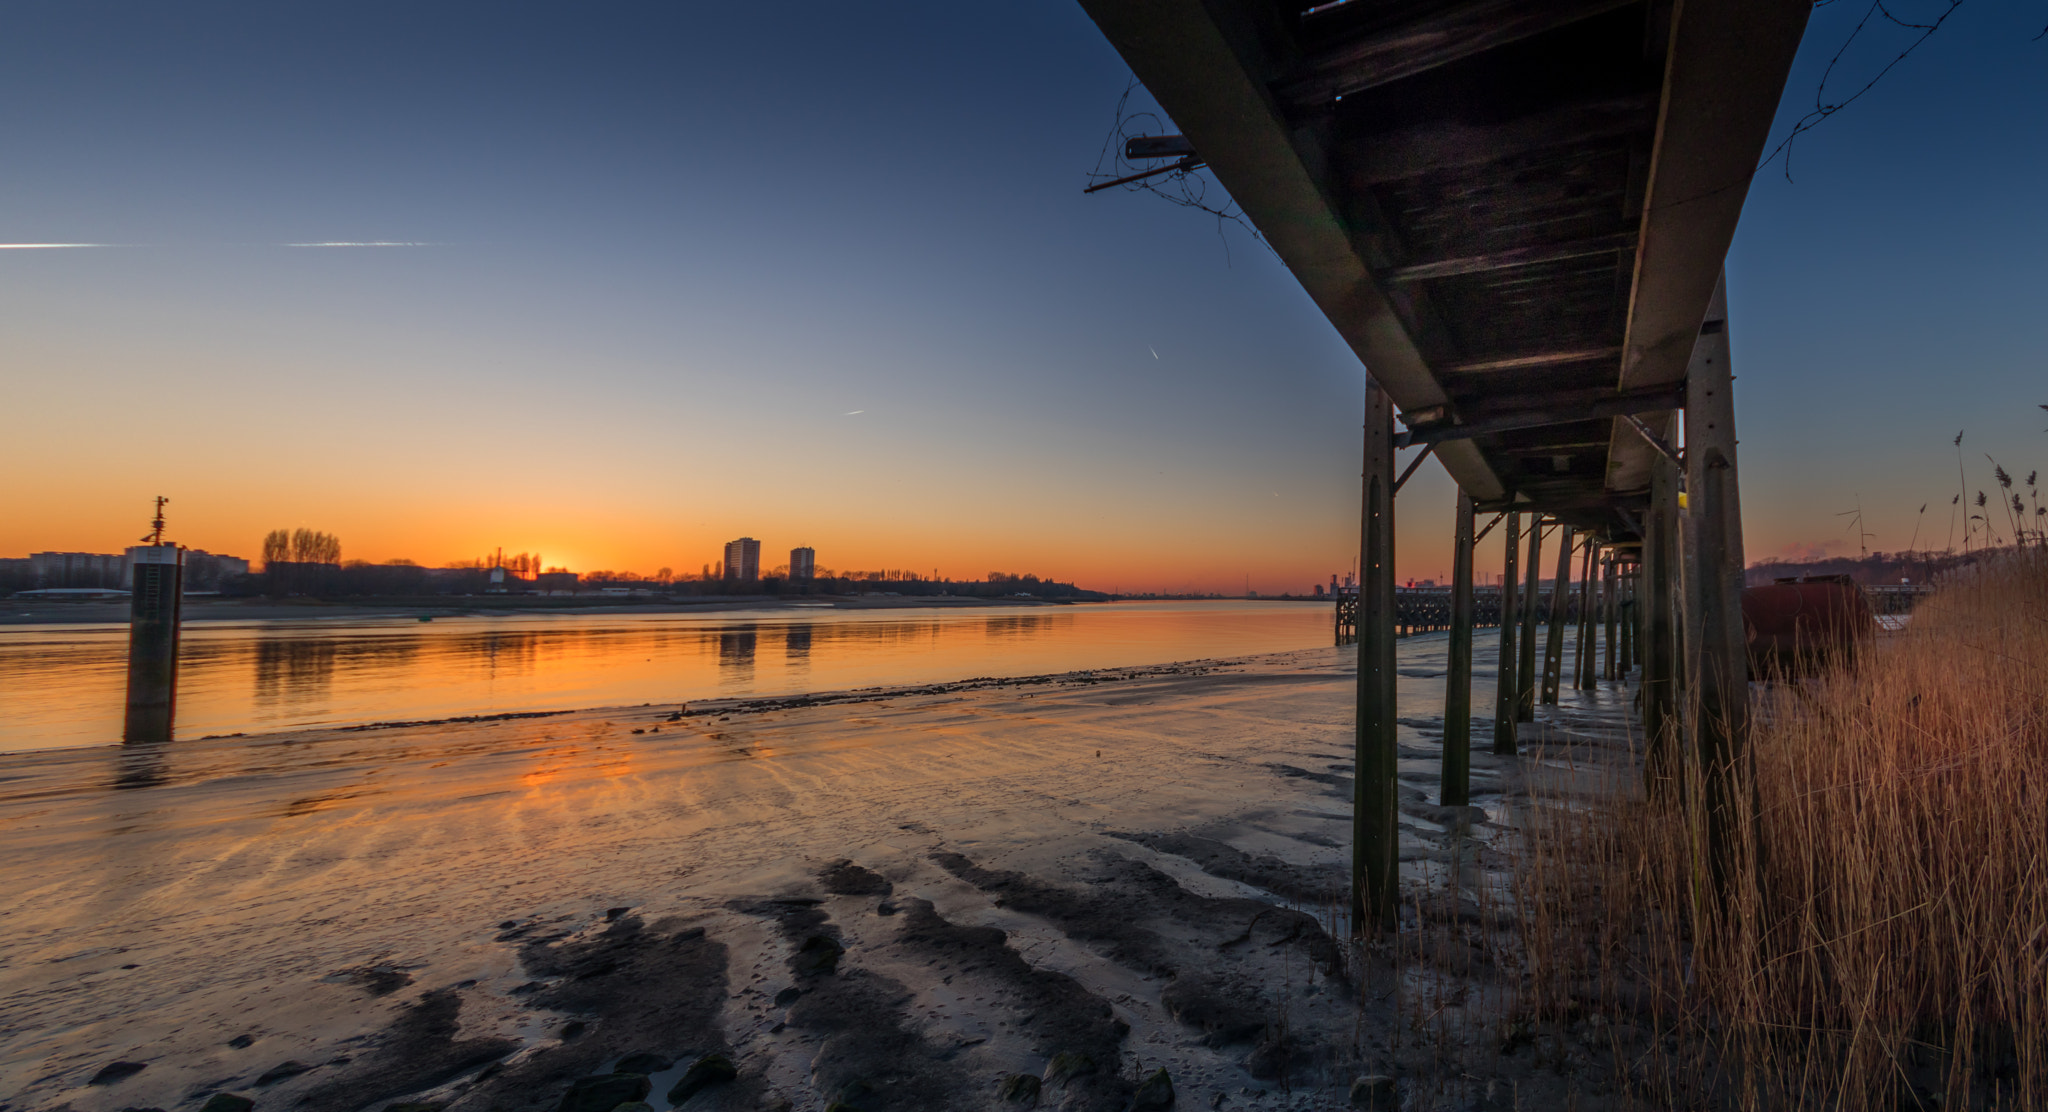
<point x="324" y="243"/>
<point x="855" y="413"/>
<point x="1154" y="351"/>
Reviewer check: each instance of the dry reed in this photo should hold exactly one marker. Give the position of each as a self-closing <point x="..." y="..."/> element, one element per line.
<point x="1881" y="939"/>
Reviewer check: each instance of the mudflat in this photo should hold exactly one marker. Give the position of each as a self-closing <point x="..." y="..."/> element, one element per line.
<point x="936" y="897"/>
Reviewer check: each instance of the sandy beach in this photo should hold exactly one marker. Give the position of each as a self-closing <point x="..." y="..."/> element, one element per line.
<point x="886" y="899"/>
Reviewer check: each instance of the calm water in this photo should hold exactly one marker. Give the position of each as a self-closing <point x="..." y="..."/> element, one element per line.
<point x="63" y="685"/>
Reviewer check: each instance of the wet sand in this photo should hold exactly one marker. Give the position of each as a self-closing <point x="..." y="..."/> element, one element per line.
<point x="891" y="899"/>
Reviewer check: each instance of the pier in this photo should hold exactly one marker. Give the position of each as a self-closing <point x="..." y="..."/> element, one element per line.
<point x="1516" y="217"/>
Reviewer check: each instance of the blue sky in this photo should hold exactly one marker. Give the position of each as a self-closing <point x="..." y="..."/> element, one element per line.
<point x="823" y="274"/>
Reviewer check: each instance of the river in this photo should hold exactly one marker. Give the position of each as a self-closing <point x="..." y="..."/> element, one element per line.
<point x="62" y="686"/>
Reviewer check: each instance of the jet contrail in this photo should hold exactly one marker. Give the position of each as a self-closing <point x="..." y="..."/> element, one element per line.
<point x="1154" y="351"/>
<point x="855" y="413"/>
<point x="326" y="243"/>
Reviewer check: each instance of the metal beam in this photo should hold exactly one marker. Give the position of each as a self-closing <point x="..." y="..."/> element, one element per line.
<point x="1515" y="257"/>
<point x="1375" y="859"/>
<point x="1437" y="39"/>
<point x="1723" y="77"/>
<point x="1211" y="83"/>
<point x="1505" y="737"/>
<point x="1521" y="362"/>
<point x="1455" y="789"/>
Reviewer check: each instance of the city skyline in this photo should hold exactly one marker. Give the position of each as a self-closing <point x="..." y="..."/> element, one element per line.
<point x="435" y="297"/>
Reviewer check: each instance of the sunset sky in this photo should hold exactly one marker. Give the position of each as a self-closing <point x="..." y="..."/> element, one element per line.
<point x="653" y="276"/>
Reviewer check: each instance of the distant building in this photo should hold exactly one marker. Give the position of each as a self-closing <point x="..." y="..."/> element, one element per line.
<point x="549" y="582"/>
<point x="78" y="569"/>
<point x="743" y="560"/>
<point x="803" y="563"/>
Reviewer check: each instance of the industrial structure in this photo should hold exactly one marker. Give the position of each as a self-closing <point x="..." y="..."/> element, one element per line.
<point x="1516" y="214"/>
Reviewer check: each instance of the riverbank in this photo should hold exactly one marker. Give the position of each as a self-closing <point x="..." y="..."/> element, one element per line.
<point x="201" y="608"/>
<point x="899" y="899"/>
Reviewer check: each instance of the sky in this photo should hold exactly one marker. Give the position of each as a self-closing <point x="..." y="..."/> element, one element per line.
<point x="655" y="276"/>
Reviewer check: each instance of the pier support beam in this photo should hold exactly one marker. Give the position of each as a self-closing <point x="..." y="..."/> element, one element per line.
<point x="1583" y="671"/>
<point x="1657" y="599"/>
<point x="154" y="608"/>
<point x="1457" y="773"/>
<point x="1718" y="666"/>
<point x="1532" y="593"/>
<point x="1505" y="683"/>
<point x="1560" y="599"/>
<point x="1609" y="607"/>
<point x="1375" y="876"/>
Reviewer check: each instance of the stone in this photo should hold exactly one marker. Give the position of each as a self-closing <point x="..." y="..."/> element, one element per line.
<point x="611" y="914"/>
<point x="1154" y="1093"/>
<point x="242" y="1042"/>
<point x="1374" y="1091"/>
<point x="1019" y="1088"/>
<point x="280" y="1071"/>
<point x="605" y="1092"/>
<point x="117" y="1071"/>
<point x="644" y="1062"/>
<point x="416" y="1106"/>
<point x="634" y="1105"/>
<point x="1066" y="1066"/>
<point x="818" y="956"/>
<point x="709" y="1070"/>
<point x="227" y="1102"/>
<point x="788" y="996"/>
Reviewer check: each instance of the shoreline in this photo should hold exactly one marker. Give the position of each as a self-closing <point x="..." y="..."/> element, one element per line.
<point x="913" y="894"/>
<point x="206" y="609"/>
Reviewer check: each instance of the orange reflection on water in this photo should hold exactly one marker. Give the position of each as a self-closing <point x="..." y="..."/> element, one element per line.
<point x="62" y="686"/>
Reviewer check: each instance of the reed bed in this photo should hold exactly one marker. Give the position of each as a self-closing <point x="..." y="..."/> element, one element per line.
<point x="1879" y="938"/>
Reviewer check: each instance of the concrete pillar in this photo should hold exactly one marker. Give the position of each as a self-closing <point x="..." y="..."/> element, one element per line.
<point x="1375" y="876"/>
<point x="1718" y="666"/>
<point x="1525" y="657"/>
<point x="154" y="608"/>
<point x="1457" y="772"/>
<point x="1505" y="684"/>
<point x="1560" y="598"/>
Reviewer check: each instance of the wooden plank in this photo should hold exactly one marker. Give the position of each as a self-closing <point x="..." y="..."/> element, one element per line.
<point x="1443" y="36"/>
<point x="1523" y="362"/>
<point x="1514" y="257"/>
<point x="1440" y="145"/>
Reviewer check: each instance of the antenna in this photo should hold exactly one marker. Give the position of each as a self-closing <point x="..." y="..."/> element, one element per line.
<point x="156" y="526"/>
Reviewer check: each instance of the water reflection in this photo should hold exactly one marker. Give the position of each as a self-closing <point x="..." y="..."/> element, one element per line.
<point x="63" y="686"/>
<point x="142" y="765"/>
<point x="736" y="648"/>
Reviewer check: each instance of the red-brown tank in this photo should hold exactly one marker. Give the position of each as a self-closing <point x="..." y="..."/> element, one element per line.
<point x="1794" y="625"/>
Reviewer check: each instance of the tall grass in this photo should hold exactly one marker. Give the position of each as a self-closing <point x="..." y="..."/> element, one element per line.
<point x="1881" y="938"/>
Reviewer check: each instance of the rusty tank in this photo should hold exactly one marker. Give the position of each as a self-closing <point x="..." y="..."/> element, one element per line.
<point x="1795" y="626"/>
